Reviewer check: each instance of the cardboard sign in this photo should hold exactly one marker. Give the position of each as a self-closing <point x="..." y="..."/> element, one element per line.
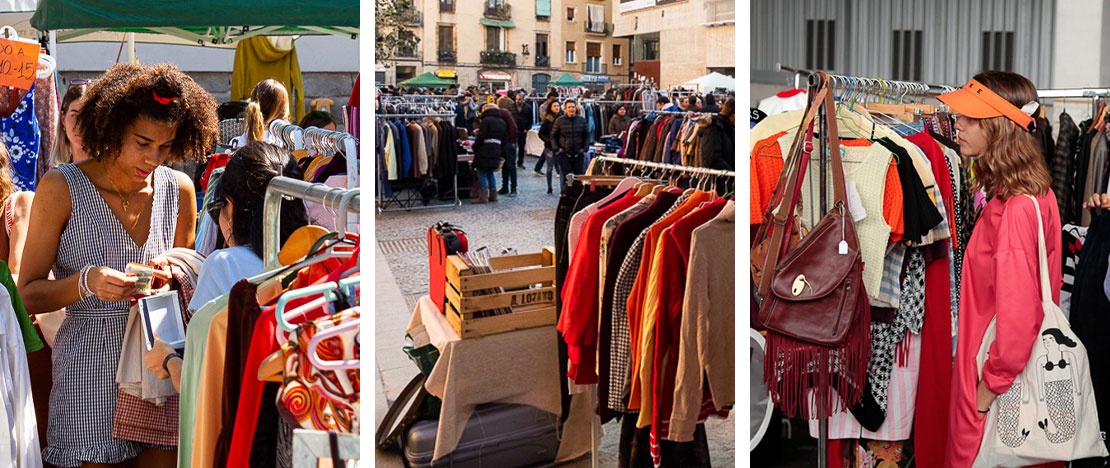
<point x="19" y="62"/>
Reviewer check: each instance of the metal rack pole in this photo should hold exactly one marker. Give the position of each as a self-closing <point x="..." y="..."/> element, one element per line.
<point x="668" y="167"/>
<point x="334" y="198"/>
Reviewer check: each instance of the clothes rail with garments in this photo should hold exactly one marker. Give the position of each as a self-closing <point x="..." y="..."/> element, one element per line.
<point x="620" y="235"/>
<point x="417" y="154"/>
<point x="258" y="349"/>
<point x="900" y="161"/>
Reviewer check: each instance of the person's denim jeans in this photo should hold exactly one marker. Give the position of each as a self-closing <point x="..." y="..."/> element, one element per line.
<point x="522" y="140"/>
<point x="566" y="168"/>
<point x="486" y="179"/>
<point x="508" y="169"/>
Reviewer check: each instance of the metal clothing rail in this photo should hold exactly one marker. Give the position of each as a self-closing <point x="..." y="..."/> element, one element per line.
<point x="411" y="116"/>
<point x="1064" y="93"/>
<point x="875" y="85"/>
<point x="294" y="137"/>
<point x="343" y="201"/>
<point x="383" y="203"/>
<point x="665" y="167"/>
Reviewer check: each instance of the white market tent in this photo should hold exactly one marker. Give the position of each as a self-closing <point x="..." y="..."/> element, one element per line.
<point x="712" y="81"/>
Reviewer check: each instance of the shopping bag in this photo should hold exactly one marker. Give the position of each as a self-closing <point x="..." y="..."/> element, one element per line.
<point x="1049" y="412"/>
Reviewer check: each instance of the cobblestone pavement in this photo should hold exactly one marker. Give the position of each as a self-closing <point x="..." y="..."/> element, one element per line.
<point x="524" y="223"/>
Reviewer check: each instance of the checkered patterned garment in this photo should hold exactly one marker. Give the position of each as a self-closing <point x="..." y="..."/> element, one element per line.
<point x="620" y="373"/>
<point x="87" y="348"/>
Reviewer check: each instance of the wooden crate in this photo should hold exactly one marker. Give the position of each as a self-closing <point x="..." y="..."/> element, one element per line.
<point x="530" y="307"/>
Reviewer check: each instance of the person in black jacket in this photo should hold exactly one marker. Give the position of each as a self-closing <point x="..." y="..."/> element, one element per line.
<point x="488" y="155"/>
<point x="569" y="138"/>
<point x="523" y="124"/>
<point x="619" y="122"/>
<point x="552" y="111"/>
<point x="710" y="106"/>
<point x="716" y="141"/>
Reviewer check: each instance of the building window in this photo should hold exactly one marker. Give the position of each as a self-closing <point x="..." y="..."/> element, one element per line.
<point x="493" y="39"/>
<point x="593" y="57"/>
<point x="543" y="10"/>
<point x="570" y="55"/>
<point x="541" y="45"/>
<point x="570" y="13"/>
<point x="820" y="44"/>
<point x="906" y="55"/>
<point x="617" y="55"/>
<point x="651" y="49"/>
<point x="491" y="4"/>
<point x="446" y="6"/>
<point x="998" y="50"/>
<point x="446" y="37"/>
<point x="595" y="18"/>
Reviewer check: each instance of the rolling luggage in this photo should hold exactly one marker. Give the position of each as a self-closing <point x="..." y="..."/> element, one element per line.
<point x="497" y="435"/>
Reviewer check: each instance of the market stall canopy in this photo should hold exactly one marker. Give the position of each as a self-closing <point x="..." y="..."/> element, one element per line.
<point x="713" y="81"/>
<point x="567" y="80"/>
<point x="427" y="80"/>
<point x="197" y="22"/>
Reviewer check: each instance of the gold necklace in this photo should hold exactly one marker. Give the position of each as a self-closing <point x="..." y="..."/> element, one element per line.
<point x="126" y="202"/>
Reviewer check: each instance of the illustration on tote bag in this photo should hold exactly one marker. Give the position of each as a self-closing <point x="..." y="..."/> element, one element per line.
<point x="1058" y="379"/>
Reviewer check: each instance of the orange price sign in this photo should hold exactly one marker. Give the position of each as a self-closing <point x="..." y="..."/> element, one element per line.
<point x="19" y="62"/>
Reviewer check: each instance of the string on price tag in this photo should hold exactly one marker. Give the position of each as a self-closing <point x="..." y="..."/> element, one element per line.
<point x="19" y="61"/>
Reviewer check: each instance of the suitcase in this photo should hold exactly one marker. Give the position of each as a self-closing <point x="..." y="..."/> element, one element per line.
<point x="443" y="239"/>
<point x="497" y="435"/>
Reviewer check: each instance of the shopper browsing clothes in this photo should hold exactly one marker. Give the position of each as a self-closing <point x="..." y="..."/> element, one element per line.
<point x="269" y="102"/>
<point x="240" y="193"/>
<point x="553" y="110"/>
<point x="488" y="153"/>
<point x="996" y="126"/>
<point x="569" y="138"/>
<point x="88" y="221"/>
<point x="508" y="147"/>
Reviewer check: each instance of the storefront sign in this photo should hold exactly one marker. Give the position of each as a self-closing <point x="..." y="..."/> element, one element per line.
<point x="494" y="75"/>
<point x="19" y="63"/>
<point x="595" y="78"/>
<point x="445" y="73"/>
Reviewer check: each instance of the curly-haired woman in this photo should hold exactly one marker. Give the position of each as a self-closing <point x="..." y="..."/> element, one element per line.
<point x="91" y="218"/>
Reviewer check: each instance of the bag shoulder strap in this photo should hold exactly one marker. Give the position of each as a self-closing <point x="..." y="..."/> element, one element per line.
<point x="1042" y="252"/>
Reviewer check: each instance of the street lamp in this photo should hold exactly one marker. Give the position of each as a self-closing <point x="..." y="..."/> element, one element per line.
<point x="524" y="50"/>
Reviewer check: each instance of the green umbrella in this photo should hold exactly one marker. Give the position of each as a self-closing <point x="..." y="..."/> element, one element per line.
<point x="567" y="80"/>
<point x="427" y="80"/>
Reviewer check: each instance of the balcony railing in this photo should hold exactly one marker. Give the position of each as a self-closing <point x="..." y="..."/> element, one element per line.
<point x="447" y="56"/>
<point x="594" y="66"/>
<point x="543" y="61"/>
<point x="595" y="27"/>
<point x="498" y="57"/>
<point x="499" y="12"/>
<point x="412" y="53"/>
<point x="412" y="17"/>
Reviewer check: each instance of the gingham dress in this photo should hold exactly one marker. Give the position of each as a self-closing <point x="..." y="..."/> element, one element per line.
<point x="87" y="347"/>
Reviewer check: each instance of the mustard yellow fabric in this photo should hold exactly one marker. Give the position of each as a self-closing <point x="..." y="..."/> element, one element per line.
<point x="257" y="59"/>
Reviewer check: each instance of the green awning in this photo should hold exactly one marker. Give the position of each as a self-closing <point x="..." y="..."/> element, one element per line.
<point x="204" y="22"/>
<point x="508" y="24"/>
<point x="567" y="80"/>
<point x="427" y="80"/>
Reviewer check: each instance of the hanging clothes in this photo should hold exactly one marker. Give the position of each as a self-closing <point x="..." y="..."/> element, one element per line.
<point x="258" y="58"/>
<point x="22" y="136"/>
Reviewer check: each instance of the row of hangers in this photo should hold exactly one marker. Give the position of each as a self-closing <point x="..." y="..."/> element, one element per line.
<point x="703" y="179"/>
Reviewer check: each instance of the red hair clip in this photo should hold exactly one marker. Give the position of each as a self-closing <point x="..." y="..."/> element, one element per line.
<point x="163" y="101"/>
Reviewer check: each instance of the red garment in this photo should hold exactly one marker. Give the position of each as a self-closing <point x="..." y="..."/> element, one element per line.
<point x="1001" y="277"/>
<point x="939" y="165"/>
<point x="353" y="100"/>
<point x="215" y="161"/>
<point x="673" y="263"/>
<point x="264" y="343"/>
<point x="578" y="320"/>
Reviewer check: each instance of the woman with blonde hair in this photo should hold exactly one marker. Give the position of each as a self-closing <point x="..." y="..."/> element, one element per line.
<point x="1000" y="274"/>
<point x="67" y="143"/>
<point x="269" y="102"/>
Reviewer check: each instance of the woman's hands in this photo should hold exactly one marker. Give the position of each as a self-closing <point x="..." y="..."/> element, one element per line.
<point x="111" y="285"/>
<point x="983" y="398"/>
<point x="1098" y="202"/>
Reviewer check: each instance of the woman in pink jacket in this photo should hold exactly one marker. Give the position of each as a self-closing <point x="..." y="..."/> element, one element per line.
<point x="1000" y="276"/>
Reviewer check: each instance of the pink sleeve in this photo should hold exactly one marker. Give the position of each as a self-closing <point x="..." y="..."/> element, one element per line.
<point x="1017" y="295"/>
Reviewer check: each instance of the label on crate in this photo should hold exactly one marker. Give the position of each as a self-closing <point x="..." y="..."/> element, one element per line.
<point x="532" y="297"/>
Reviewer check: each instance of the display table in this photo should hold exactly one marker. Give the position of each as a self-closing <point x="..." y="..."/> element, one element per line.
<point x="517" y="367"/>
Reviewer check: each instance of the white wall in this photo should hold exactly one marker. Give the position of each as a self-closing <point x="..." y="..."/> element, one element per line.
<point x="1078" y="56"/>
<point x="316" y="54"/>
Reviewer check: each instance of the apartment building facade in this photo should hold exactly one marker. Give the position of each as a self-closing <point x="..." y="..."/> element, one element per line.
<point x="590" y="52"/>
<point x="674" y="41"/>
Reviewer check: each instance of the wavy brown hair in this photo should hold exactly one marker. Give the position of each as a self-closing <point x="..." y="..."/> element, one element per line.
<point x="127" y="91"/>
<point x="1013" y="163"/>
<point x="269" y="101"/>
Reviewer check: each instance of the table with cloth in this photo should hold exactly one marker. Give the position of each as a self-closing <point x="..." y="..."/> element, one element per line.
<point x="518" y="367"/>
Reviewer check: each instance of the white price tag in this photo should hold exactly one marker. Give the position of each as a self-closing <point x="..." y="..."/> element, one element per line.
<point x="842" y="249"/>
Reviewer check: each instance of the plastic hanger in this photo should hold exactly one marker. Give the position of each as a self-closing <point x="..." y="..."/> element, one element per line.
<point x="322" y="335"/>
<point x="329" y="292"/>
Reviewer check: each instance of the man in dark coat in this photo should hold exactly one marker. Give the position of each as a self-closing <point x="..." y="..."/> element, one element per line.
<point x="488" y="153"/>
<point x="716" y="141"/>
<point x="570" y="137"/>
<point x="523" y="124"/>
<point x="508" y="170"/>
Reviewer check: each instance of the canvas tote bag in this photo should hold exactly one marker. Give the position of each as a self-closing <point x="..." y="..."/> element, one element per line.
<point x="1049" y="413"/>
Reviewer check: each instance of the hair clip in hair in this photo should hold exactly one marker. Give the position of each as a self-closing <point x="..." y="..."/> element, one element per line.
<point x="1030" y="108"/>
<point x="164" y="101"/>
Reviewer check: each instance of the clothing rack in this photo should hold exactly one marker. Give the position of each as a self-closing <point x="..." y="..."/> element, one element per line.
<point x="665" y="167"/>
<point x="342" y="201"/>
<point x="292" y="136"/>
<point x="328" y="138"/>
<point x="409" y="204"/>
